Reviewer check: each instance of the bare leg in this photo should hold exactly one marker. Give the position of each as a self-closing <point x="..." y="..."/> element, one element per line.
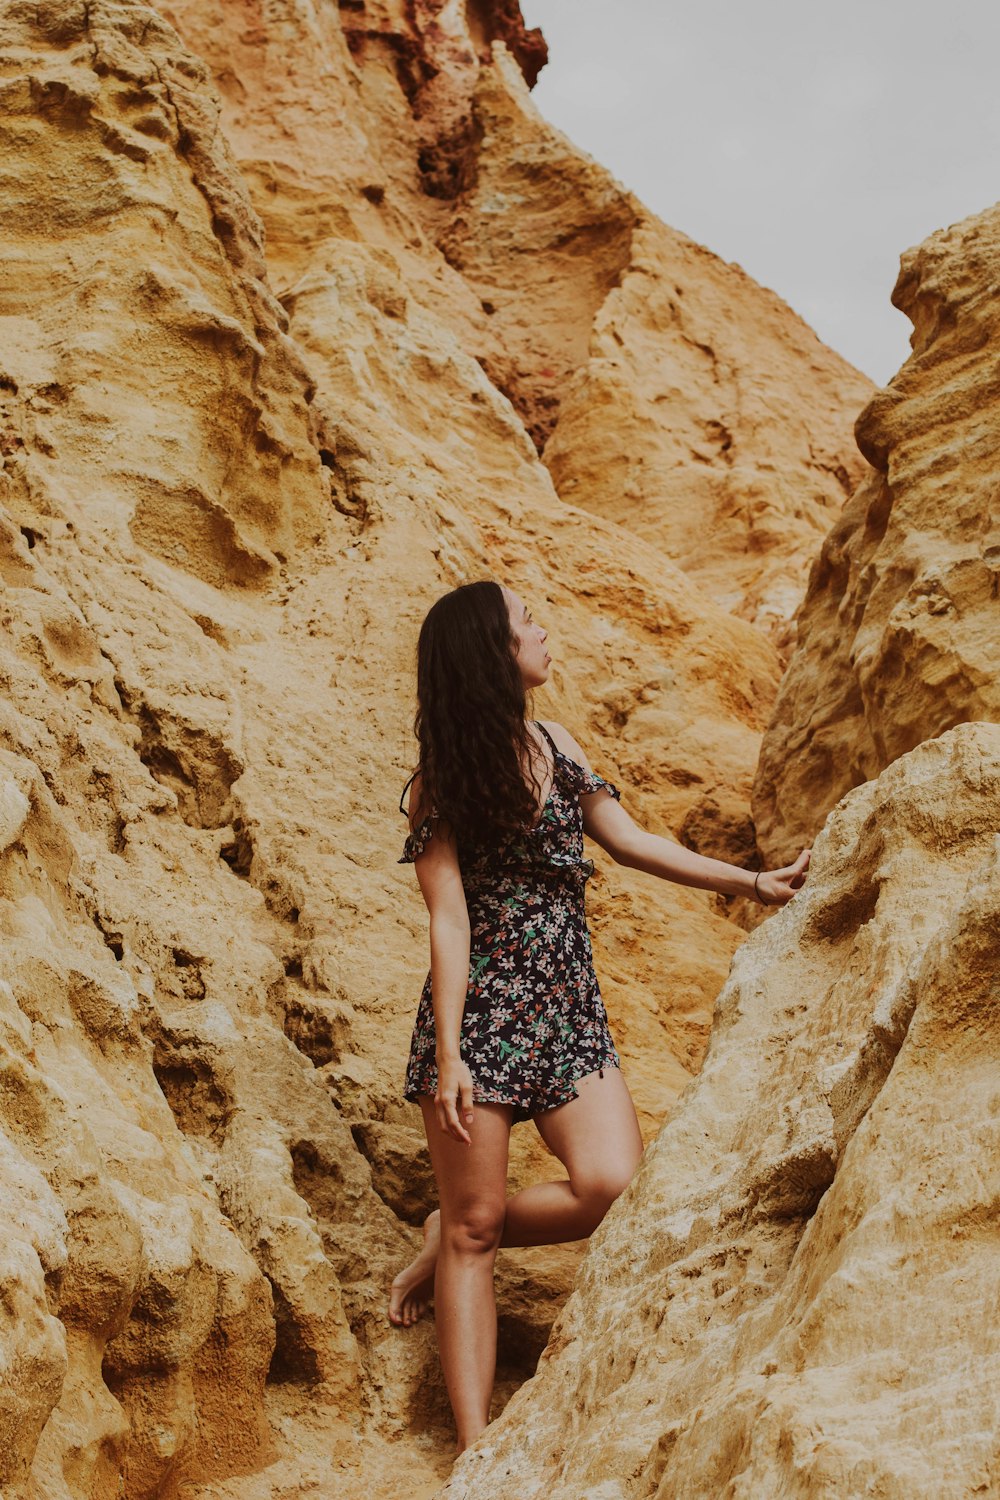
<point x="472" y="1184"/>
<point x="596" y="1137"/>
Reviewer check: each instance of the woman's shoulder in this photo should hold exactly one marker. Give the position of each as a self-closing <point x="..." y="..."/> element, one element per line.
<point x="564" y="741"/>
<point x="579" y="771"/>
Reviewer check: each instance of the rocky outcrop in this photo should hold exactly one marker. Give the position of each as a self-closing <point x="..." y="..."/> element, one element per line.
<point x="229" y="490"/>
<point x="684" y="425"/>
<point x="790" y="1297"/>
<point x="658" y="382"/>
<point x="898" y="633"/>
<point x="158" y="459"/>
<point x="666" y="390"/>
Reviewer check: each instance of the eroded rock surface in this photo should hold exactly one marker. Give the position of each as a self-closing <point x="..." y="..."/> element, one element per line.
<point x="229" y="490"/>
<point x="899" y="630"/>
<point x="665" y="389"/>
<point x="790" y="1297"/>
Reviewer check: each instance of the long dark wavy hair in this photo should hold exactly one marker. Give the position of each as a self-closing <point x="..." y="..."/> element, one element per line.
<point x="475" y="749"/>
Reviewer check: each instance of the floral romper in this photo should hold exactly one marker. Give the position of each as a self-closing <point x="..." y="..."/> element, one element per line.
<point x="534" y="1020"/>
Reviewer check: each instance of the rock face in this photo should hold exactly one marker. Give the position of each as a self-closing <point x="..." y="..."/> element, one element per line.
<point x="666" y="390"/>
<point x="683" y="425"/>
<point x="790" y="1297"/>
<point x="898" y="633"/>
<point x="229" y="490"/>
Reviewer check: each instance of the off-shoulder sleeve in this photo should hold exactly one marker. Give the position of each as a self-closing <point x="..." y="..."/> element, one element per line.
<point x="584" y="782"/>
<point x="417" y="841"/>
<point x="594" y="783"/>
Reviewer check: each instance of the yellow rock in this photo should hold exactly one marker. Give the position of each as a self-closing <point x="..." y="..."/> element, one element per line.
<point x="667" y="391"/>
<point x="224" y="513"/>
<point x="899" y="631"/>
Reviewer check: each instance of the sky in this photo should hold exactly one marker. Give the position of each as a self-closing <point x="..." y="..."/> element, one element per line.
<point x="811" y="142"/>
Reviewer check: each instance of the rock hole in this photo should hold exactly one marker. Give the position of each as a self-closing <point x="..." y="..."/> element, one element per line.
<point x="308" y="1029"/>
<point x="791" y="1190"/>
<point x="238" y="851"/>
<point x="118" y="840"/>
<point x="877" y="516"/>
<point x="449" y="165"/>
<point x="294" y="1360"/>
<point x="212" y="629"/>
<point x="519" y="1347"/>
<point x="842" y="919"/>
<point x="194" y="764"/>
<point x="318" y="1181"/>
<point x="192" y="982"/>
<point x="198" y="1102"/>
<point x="112" y="940"/>
<point x="278" y="899"/>
<point x="402" y="1174"/>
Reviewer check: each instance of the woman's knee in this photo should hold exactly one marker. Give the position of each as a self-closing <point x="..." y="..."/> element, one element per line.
<point x="474" y="1228"/>
<point x="600" y="1190"/>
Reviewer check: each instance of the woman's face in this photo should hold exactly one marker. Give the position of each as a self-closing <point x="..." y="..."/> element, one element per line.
<point x="529" y="642"/>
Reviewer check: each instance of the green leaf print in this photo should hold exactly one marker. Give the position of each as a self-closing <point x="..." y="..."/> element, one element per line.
<point x="477" y="963"/>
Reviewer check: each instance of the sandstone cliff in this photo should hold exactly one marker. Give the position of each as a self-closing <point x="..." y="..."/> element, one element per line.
<point x="230" y="487"/>
<point x="898" y="634"/>
<point x="665" y="390"/>
<point x="789" y="1300"/>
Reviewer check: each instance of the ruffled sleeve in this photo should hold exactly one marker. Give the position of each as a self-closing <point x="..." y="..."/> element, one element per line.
<point x="584" y="782"/>
<point x="594" y="783"/>
<point x="417" y="841"/>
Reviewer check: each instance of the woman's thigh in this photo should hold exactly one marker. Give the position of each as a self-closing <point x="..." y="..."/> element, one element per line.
<point x="596" y="1135"/>
<point x="473" y="1174"/>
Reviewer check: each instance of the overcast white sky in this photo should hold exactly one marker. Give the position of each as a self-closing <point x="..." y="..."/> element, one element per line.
<point x="810" y="142"/>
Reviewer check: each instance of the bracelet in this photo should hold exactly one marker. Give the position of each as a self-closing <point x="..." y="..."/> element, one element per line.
<point x="756" y="892"/>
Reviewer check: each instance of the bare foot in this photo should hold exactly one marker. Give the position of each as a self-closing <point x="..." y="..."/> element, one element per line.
<point x="413" y="1288"/>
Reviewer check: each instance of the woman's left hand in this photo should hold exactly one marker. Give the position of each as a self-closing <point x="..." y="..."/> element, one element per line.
<point x="775" y="887"/>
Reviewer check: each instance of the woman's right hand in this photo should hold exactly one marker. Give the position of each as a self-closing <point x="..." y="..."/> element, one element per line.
<point x="453" y="1100"/>
<point x="777" y="887"/>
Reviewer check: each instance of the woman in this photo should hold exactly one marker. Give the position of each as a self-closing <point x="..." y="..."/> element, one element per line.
<point x="511" y="1025"/>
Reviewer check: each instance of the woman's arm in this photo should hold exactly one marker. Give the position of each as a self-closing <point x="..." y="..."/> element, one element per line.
<point x="441" y="885"/>
<point x="607" y="822"/>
